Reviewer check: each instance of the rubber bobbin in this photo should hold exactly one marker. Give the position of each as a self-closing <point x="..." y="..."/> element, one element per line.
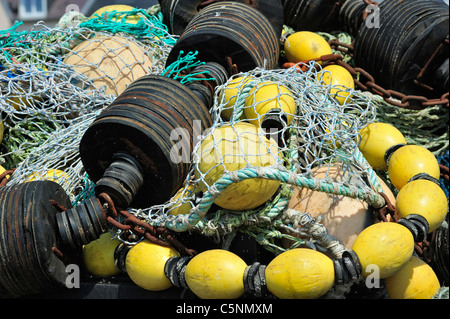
<point x="255" y="280"/>
<point x="175" y="268"/>
<point x="390" y="151"/>
<point x="417" y="225"/>
<point x="121" y="180"/>
<point x="347" y="268"/>
<point x="424" y="176"/>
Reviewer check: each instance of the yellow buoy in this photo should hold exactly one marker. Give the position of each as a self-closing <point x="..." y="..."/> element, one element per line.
<point x="385" y="246"/>
<point x="216" y="274"/>
<point x="409" y="161"/>
<point x="111" y="62"/>
<point x="376" y="138"/>
<point x="119" y="8"/>
<point x="54" y="175"/>
<point x="267" y="97"/>
<point x="232" y="147"/>
<point x="341" y="81"/>
<point x="145" y="265"/>
<point x="98" y="256"/>
<point x="417" y="280"/>
<point x="179" y="203"/>
<point x="305" y="46"/>
<point x="343" y="216"/>
<point x="300" y="273"/>
<point x="230" y="93"/>
<point x="2" y="170"/>
<point x="424" y="198"/>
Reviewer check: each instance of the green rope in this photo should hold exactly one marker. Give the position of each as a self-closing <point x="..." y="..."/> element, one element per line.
<point x="148" y="26"/>
<point x="179" y="70"/>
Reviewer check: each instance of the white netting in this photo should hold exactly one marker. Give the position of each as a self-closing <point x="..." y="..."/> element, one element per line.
<point x="55" y="81"/>
<point x="318" y="131"/>
<point x="60" y="88"/>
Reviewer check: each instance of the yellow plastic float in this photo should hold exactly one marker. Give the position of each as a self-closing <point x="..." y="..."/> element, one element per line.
<point x="425" y="198"/>
<point x="229" y="94"/>
<point x="145" y="265"/>
<point x="300" y="273"/>
<point x="98" y="256"/>
<point x="232" y="147"/>
<point x="341" y="81"/>
<point x="416" y="280"/>
<point x="409" y="161"/>
<point x="268" y="97"/>
<point x="376" y="139"/>
<point x="216" y="274"/>
<point x="387" y="246"/>
<point x="305" y="46"/>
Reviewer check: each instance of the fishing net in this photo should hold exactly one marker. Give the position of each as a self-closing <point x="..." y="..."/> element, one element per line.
<point x="55" y="81"/>
<point x="257" y="168"/>
<point x="232" y="157"/>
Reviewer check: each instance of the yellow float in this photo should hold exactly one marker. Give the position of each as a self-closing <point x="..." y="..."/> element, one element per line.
<point x="416" y="280"/>
<point x="216" y="274"/>
<point x="305" y="46"/>
<point x="409" y="161"/>
<point x="231" y="147"/>
<point x="111" y="62"/>
<point x="230" y="93"/>
<point x="98" y="256"/>
<point x="425" y="198"/>
<point x="376" y="139"/>
<point x="300" y="273"/>
<point x="133" y="19"/>
<point x="145" y="265"/>
<point x="267" y="97"/>
<point x="179" y="203"/>
<point x="387" y="246"/>
<point x="341" y="81"/>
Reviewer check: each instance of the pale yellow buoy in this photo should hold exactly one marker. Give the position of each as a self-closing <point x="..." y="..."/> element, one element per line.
<point x="133" y="19"/>
<point x="111" y="62"/>
<point x="145" y="263"/>
<point x="305" y="46"/>
<point x="300" y="273"/>
<point x="232" y="147"/>
<point x="416" y="280"/>
<point x="376" y="139"/>
<point x="98" y="256"/>
<point x="425" y="198"/>
<point x="343" y="216"/>
<point x="229" y="95"/>
<point x="341" y="81"/>
<point x="387" y="246"/>
<point x="266" y="97"/>
<point x="180" y="202"/>
<point x="216" y="274"/>
<point x="409" y="161"/>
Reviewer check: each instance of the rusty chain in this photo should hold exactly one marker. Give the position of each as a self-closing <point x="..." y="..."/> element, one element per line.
<point x="157" y="235"/>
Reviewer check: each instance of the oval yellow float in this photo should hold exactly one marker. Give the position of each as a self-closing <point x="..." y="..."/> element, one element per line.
<point x="98" y="256"/>
<point x="232" y="147"/>
<point x="300" y="273"/>
<point x="410" y="160"/>
<point x="216" y="274"/>
<point x="385" y="246"/>
<point x="425" y="198"/>
<point x="145" y="265"/>
<point x="416" y="280"/>
<point x="376" y="138"/>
